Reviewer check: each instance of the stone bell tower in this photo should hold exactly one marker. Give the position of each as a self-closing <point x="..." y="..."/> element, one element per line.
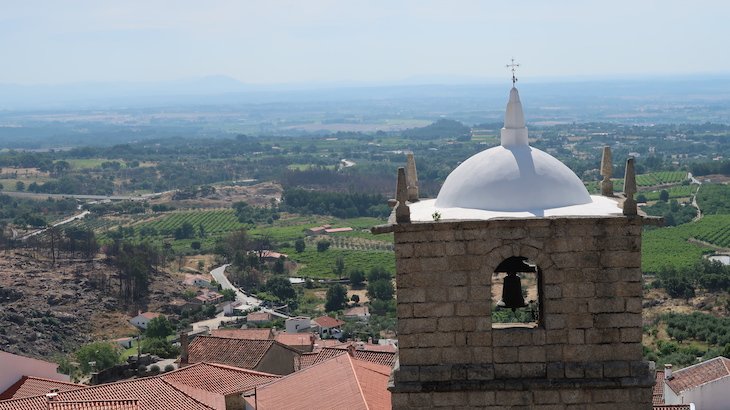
<point x="576" y="344"/>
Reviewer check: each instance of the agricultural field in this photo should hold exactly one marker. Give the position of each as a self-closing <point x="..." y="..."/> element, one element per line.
<point x="661" y="178"/>
<point x="671" y="247"/>
<point x="215" y="222"/>
<point x="314" y="264"/>
<point x="680" y="191"/>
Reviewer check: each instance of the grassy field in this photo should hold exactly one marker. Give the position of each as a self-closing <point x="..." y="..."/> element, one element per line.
<point x="316" y="264"/>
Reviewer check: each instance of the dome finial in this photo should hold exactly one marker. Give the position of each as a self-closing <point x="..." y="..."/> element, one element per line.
<point x="513" y="67"/>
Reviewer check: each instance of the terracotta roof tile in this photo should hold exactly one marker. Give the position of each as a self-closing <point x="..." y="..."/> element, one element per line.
<point x="378" y="357"/>
<point x="657" y="396"/>
<point x="243" y="353"/>
<point x="339" y="383"/>
<point x="94" y="405"/>
<point x="152" y="393"/>
<point x="218" y="379"/>
<point x="328" y="322"/>
<point x="295" y="339"/>
<point x="259" y="317"/>
<point x="29" y="386"/>
<point x="699" y="374"/>
<point x="672" y="407"/>
<point x="251" y="334"/>
<point x="150" y="315"/>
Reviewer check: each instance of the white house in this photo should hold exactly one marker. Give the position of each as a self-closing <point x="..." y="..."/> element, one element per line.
<point x="14" y="367"/>
<point x="298" y="324"/>
<point x="142" y="319"/>
<point x="329" y="326"/>
<point x="706" y="385"/>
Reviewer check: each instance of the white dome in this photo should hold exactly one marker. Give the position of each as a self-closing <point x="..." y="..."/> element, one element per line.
<point x="513" y="177"/>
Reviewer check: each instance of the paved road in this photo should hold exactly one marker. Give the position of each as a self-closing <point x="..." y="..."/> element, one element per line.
<point x="90" y="197"/>
<point x="249" y="302"/>
<point x="65" y="221"/>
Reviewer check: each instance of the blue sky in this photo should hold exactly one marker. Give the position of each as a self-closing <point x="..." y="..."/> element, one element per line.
<point x="272" y="42"/>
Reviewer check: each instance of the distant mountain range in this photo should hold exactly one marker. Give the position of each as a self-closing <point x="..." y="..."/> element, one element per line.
<point x="222" y="90"/>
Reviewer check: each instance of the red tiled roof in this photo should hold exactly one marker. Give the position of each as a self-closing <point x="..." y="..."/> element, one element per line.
<point x="657" y="395"/>
<point x="672" y="407"/>
<point x="218" y="378"/>
<point x="338" y="230"/>
<point x="251" y="334"/>
<point x="699" y="374"/>
<point x="29" y="386"/>
<point x="258" y="317"/>
<point x="305" y="360"/>
<point x="328" y="322"/>
<point x="377" y="357"/>
<point x="339" y="383"/>
<point x="294" y="339"/>
<point x="243" y="353"/>
<point x="152" y="393"/>
<point x="94" y="405"/>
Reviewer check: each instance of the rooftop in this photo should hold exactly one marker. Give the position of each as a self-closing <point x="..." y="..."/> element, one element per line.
<point x="341" y="382"/>
<point x="244" y="353"/>
<point x="251" y="334"/>
<point x="328" y="322"/>
<point x="29" y="386"/>
<point x="699" y="374"/>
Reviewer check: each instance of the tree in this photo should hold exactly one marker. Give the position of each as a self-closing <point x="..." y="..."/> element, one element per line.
<point x="299" y="245"/>
<point x="19" y="186"/>
<point x="339" y="267"/>
<point x="159" y="327"/>
<point x="281" y="287"/>
<point x="377" y="273"/>
<point x="355" y="298"/>
<point x="336" y="298"/>
<point x="195" y="245"/>
<point x="228" y="294"/>
<point x="664" y="195"/>
<point x="381" y="289"/>
<point x="103" y="354"/>
<point x="323" y="245"/>
<point x="279" y="266"/>
<point x="357" y="276"/>
<point x="159" y="347"/>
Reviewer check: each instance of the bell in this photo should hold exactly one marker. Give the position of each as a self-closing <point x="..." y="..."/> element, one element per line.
<point x="512" y="293"/>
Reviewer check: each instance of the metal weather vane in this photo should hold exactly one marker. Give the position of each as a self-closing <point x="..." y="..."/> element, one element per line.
<point x="513" y="67"/>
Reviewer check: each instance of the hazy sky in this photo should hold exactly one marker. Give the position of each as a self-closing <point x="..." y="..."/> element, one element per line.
<point x="272" y="41"/>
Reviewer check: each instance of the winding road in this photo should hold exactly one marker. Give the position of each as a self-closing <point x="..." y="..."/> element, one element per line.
<point x="249" y="302"/>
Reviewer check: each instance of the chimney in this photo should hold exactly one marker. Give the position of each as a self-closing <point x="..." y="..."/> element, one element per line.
<point x="668" y="372"/>
<point x="51" y="394"/>
<point x="183" y="349"/>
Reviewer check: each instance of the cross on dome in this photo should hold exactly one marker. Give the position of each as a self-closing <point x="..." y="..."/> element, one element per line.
<point x="513" y="67"/>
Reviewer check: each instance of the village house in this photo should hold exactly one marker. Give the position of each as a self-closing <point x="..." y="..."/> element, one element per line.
<point x="328" y="327"/>
<point x="360" y="313"/>
<point x="25" y="374"/>
<point x="266" y="356"/>
<point x="259" y="317"/>
<point x="207" y="297"/>
<point x="197" y="280"/>
<point x="142" y="319"/>
<point x="706" y="385"/>
<point x="202" y="386"/>
<point x="298" y="324"/>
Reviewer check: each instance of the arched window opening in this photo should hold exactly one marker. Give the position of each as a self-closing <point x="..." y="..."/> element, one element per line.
<point x="516" y="285"/>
